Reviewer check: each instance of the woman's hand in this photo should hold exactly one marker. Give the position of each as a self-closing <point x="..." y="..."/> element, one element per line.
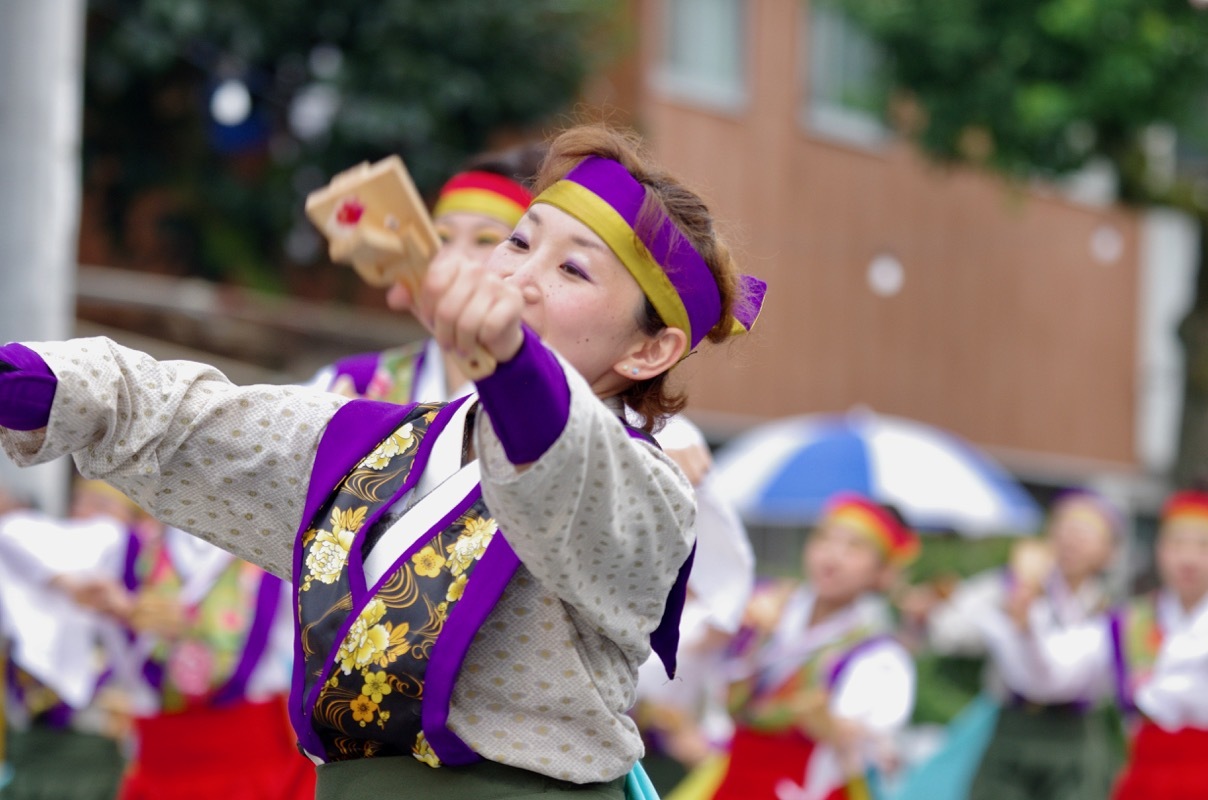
<point x="159" y="615"/>
<point x="100" y="594"/>
<point x="464" y="305"/>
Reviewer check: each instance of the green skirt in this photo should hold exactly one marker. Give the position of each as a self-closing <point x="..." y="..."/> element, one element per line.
<point x="62" y="764"/>
<point x="1044" y="753"/>
<point x="404" y="778"/>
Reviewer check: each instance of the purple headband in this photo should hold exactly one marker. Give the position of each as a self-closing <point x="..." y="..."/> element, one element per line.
<point x="690" y="276"/>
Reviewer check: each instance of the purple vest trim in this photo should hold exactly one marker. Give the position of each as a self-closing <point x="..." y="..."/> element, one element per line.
<point x="268" y="602"/>
<point x="1115" y="622"/>
<point x="129" y="570"/>
<point x="354" y="431"/>
<point x="356" y="566"/>
<point x="360" y="368"/>
<point x="839" y="667"/>
<point x="350" y="435"/>
<point x="499" y="563"/>
<point x="665" y="638"/>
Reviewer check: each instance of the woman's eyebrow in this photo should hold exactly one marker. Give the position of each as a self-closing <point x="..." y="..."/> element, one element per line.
<point x="585" y="242"/>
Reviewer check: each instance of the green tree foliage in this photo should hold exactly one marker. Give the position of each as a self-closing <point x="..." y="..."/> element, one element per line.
<point x="1034" y="86"/>
<point x="331" y="84"/>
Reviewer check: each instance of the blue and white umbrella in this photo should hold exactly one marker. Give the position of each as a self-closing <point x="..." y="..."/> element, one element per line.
<point x="783" y="473"/>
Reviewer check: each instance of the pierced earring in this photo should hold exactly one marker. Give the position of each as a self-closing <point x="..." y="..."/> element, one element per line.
<point x="633" y="370"/>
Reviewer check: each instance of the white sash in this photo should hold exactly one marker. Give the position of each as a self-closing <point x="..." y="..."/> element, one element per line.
<point x="443" y="484"/>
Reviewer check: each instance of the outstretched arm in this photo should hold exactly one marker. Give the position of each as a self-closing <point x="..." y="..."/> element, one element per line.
<point x="227" y="463"/>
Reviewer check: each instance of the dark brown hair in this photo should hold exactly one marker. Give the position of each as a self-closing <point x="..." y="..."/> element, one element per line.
<point x="667" y="197"/>
<point x="519" y="164"/>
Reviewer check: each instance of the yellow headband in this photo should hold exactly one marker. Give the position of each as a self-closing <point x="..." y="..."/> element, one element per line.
<point x="587" y="207"/>
<point x="480" y="201"/>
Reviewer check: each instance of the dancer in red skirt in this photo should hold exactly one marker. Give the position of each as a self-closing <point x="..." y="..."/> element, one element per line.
<point x="825" y="685"/>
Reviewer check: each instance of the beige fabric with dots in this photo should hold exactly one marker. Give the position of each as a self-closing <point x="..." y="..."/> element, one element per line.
<point x="601" y="523"/>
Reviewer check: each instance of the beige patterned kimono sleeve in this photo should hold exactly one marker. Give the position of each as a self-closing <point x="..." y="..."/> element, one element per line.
<point x="602" y="520"/>
<point x="229" y="464"/>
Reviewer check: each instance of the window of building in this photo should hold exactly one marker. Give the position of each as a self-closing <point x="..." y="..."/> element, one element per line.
<point x="846" y="88"/>
<point x="704" y="53"/>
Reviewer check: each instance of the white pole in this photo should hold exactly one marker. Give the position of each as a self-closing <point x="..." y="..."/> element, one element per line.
<point x="41" y="99"/>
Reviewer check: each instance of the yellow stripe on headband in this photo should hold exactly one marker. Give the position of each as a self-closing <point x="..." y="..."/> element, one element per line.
<point x="866" y="524"/>
<point x="479" y="201"/>
<point x="587" y="207"/>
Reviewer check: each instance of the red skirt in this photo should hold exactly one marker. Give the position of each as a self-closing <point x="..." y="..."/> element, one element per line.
<point x="244" y="751"/>
<point x="1165" y="765"/>
<point x="760" y="761"/>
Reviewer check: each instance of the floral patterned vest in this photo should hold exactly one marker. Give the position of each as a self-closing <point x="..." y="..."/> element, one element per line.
<point x="388" y="375"/>
<point x="757" y="703"/>
<point x="226" y="633"/>
<point x="1136" y="638"/>
<point x="376" y="664"/>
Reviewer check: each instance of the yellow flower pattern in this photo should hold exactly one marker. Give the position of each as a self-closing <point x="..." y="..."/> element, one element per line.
<point x="363" y="710"/>
<point x="457" y="588"/>
<point x="328" y="552"/>
<point x="371" y="691"/>
<point x="423" y="751"/>
<point x="470" y="546"/>
<point x="376" y="685"/>
<point x="398" y="442"/>
<point x="366" y="640"/>
<point x="428" y="562"/>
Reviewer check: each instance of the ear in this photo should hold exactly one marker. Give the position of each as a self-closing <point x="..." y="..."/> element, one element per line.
<point x="653" y="355"/>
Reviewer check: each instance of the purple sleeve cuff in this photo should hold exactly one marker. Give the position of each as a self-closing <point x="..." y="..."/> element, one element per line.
<point x="528" y="401"/>
<point x="27" y="388"/>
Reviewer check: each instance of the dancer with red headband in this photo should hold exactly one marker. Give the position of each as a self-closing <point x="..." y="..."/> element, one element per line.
<point x="821" y="684"/>
<point x="476" y="582"/>
<point x="474" y="212"/>
<point x="1153" y="653"/>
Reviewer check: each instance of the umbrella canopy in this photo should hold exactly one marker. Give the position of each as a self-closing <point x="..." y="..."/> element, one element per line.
<point x="784" y="472"/>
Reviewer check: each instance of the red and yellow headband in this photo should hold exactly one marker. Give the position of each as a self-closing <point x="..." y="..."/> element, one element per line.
<point x="1186" y="504"/>
<point x="897" y="543"/>
<point x="484" y="193"/>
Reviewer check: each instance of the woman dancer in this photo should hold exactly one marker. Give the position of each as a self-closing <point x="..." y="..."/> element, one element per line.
<point x="822" y="686"/>
<point x="476" y="583"/>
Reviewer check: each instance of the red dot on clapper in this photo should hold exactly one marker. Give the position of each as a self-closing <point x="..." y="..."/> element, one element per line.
<point x="350" y="211"/>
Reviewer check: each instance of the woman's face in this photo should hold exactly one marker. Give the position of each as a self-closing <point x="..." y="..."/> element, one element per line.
<point x="1182" y="556"/>
<point x="841" y="563"/>
<point x="579" y="297"/>
<point x="1082" y="538"/>
<point x="465" y="236"/>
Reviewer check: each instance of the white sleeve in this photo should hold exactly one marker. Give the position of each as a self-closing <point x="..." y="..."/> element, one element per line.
<point x="876" y="689"/>
<point x="603" y="520"/>
<point x="230" y="464"/>
<point x="50" y="637"/>
<point x="952" y="626"/>
<point x="1067" y="664"/>
<point x="723" y="569"/>
<point x="1176" y="695"/>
